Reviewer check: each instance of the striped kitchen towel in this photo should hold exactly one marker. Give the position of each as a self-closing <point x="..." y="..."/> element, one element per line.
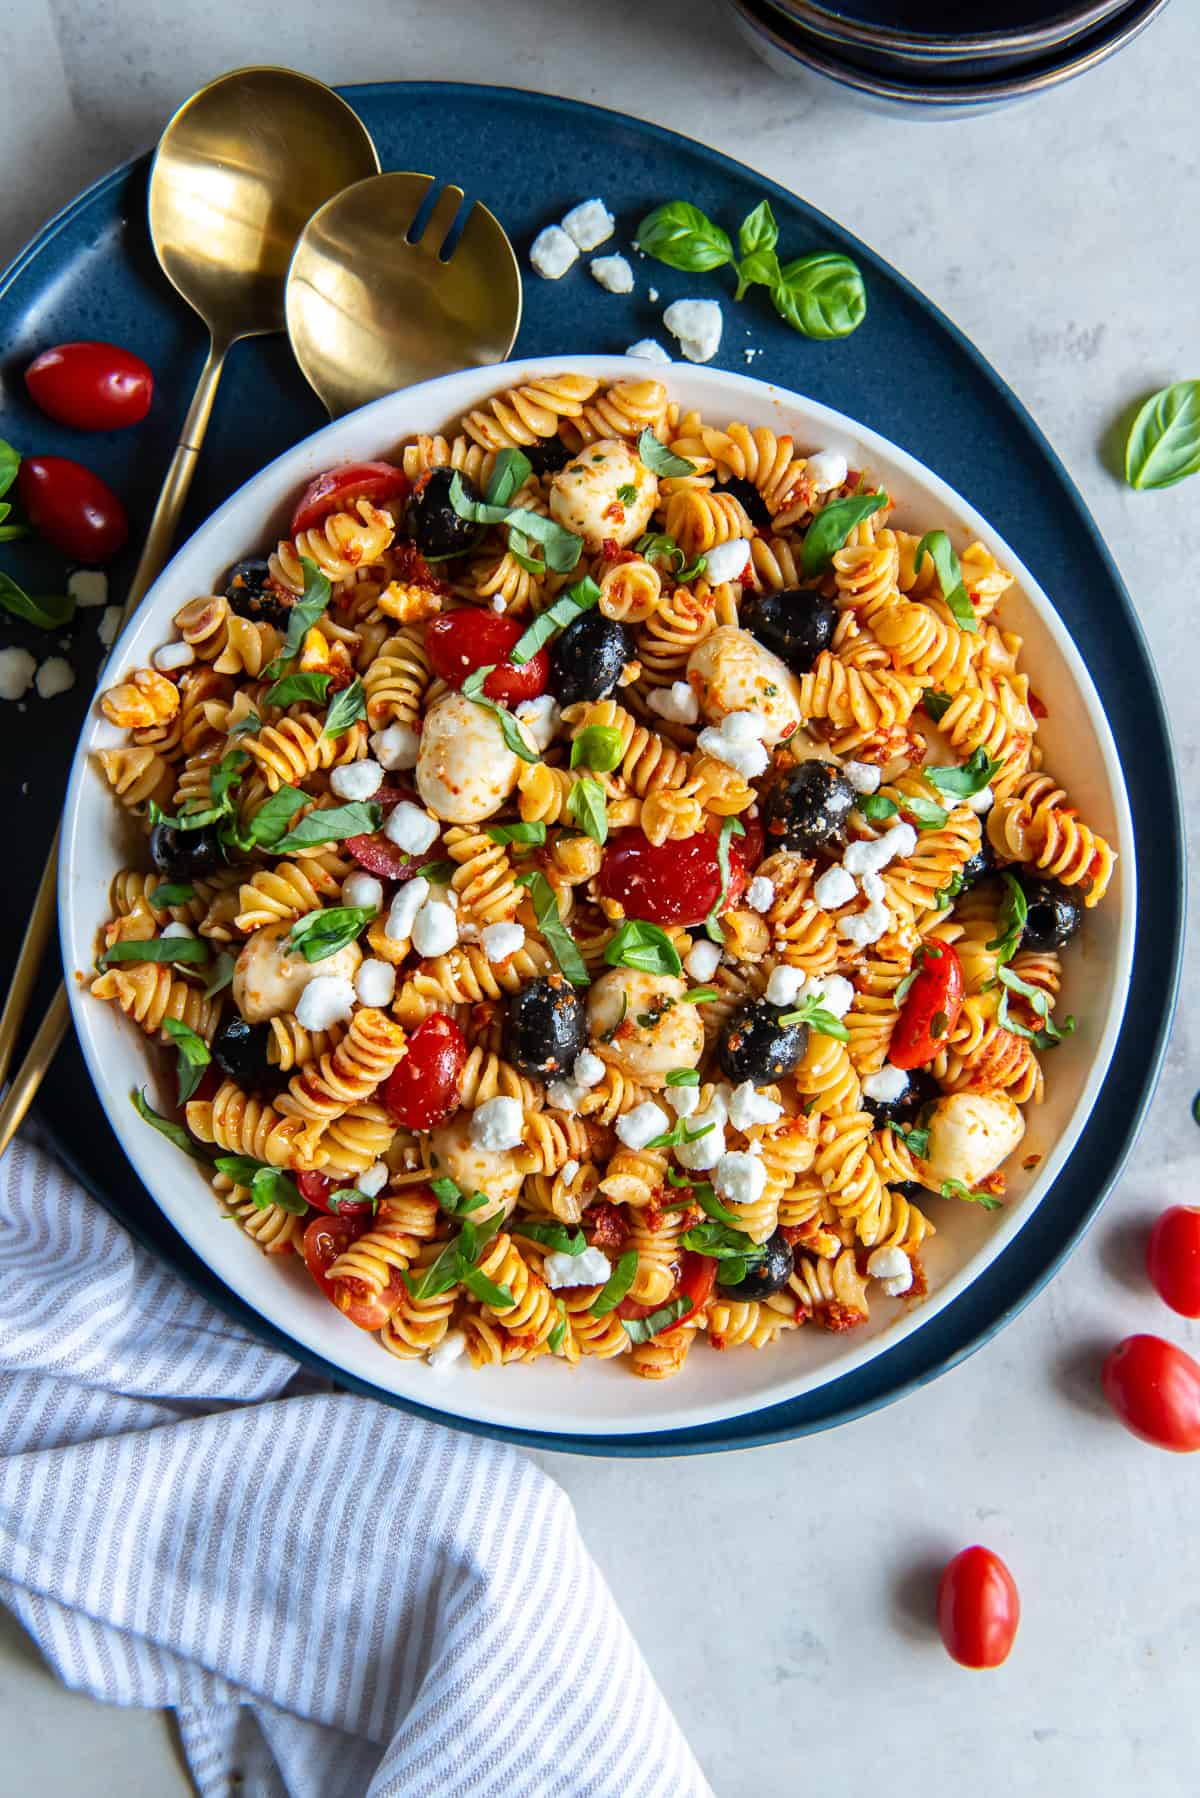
<point x="335" y="1598"/>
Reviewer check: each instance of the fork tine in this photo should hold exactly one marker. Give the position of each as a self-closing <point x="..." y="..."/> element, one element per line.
<point x="441" y="222"/>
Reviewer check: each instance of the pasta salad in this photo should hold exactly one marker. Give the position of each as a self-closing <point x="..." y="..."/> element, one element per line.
<point x="600" y="885"/>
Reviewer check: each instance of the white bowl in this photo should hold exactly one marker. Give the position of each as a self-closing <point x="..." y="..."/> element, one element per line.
<point x="602" y="1397"/>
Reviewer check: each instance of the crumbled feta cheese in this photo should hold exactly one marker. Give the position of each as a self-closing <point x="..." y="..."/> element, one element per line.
<point x="502" y="940"/>
<point x="646" y="350"/>
<point x="498" y="1124"/>
<point x="874" y="888"/>
<point x="652" y="295"/>
<point x="638" y="1127"/>
<point x="17" y="669"/>
<point x="589" y="1070"/>
<point x="564" y="1095"/>
<point x="705" y="1151"/>
<point x="683" y="1100"/>
<point x="568" y="1171"/>
<point x="696" y="325"/>
<point x="747" y="1106"/>
<point x="866" y="927"/>
<point x="540" y="718"/>
<point x="869" y="858"/>
<point x="55" y="676"/>
<point x="88" y="587"/>
<point x="893" y="1269"/>
<point x="173" y="655"/>
<point x="982" y="801"/>
<point x="835" y="887"/>
<point x="862" y="776"/>
<point x="613" y="273"/>
<point x="552" y="253"/>
<point x="109" y="625"/>
<point x="326" y="1000"/>
<point x="396" y="747"/>
<point x="589" y="224"/>
<point x="727" y="561"/>
<point x="405" y="906"/>
<point x="826" y="470"/>
<point x="357" y="780"/>
<point x="784" y="985"/>
<point x="498" y="604"/>
<point x="443" y="1355"/>
<point x="362" y="890"/>
<point x="742" y="727"/>
<point x="590" y="1268"/>
<point x="435" y="930"/>
<point x="736" y="742"/>
<point x="702" y="960"/>
<point x="375" y="982"/>
<point x="410" y="827"/>
<point x="677" y="703"/>
<point x="833" y="992"/>
<point x="887" y="1085"/>
<point x="178" y="930"/>
<point x="760" y="894"/>
<point x="740" y="1178"/>
<point x="373" y="1181"/>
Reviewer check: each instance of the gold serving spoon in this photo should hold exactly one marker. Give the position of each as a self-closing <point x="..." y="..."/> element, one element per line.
<point x="237" y="173"/>
<point x="390" y="285"/>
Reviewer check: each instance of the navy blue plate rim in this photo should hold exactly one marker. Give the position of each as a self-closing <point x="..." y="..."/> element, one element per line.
<point x="833" y="24"/>
<point x="1011" y="1284"/>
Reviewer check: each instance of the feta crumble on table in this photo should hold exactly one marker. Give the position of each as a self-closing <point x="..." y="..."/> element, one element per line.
<point x="375" y="982"/>
<point x="498" y="1124"/>
<point x="760" y="894"/>
<point x="646" y="350"/>
<point x="88" y="587"/>
<point x="17" y="669"/>
<point x="357" y="780"/>
<point x="396" y="747"/>
<point x="676" y="703"/>
<point x="326" y="1000"/>
<point x="727" y="561"/>
<point x="652" y="295"/>
<point x="826" y="470"/>
<point x="696" y="326"/>
<point x="502" y="940"/>
<point x="109" y="625"/>
<point x="363" y="890"/>
<point x="641" y="1125"/>
<point x="589" y="224"/>
<point x="613" y="273"/>
<point x="55" y="676"/>
<point x="887" y="1085"/>
<point x="589" y="1268"/>
<point x="892" y="1267"/>
<point x="552" y="253"/>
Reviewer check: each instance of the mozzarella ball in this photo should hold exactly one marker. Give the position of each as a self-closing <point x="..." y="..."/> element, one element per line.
<point x="268" y="978"/>
<point x="646" y="1052"/>
<point x="731" y="672"/>
<point x="584" y="496"/>
<point x="496" y="1172"/>
<point x="465" y="770"/>
<point x="970" y="1134"/>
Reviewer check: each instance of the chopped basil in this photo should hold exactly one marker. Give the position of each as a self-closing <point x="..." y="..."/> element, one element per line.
<point x="580" y="597"/>
<point x="1164" y="440"/>
<point x="440" y="1275"/>
<point x="456" y="1264"/>
<point x="832" y="525"/>
<point x="194" y="1056"/>
<point x="348" y="707"/>
<point x="877" y="806"/>
<point x="10" y="461"/>
<point x="939" y="1023"/>
<point x="702" y="1194"/>
<point x="360" y="818"/>
<point x="294" y="687"/>
<point x="598" y="747"/>
<point x="964" y="782"/>
<point x="627" y="494"/>
<point x="641" y="1329"/>
<point x="514" y="737"/>
<point x="515" y="833"/>
<point x="170" y="948"/>
<point x="171" y="893"/>
<point x="1050" y="1033"/>
<point x="301" y="617"/>
<point x="226" y="775"/>
<point x="1012" y="918"/>
<point x="485" y="1290"/>
<point x="553" y="1236"/>
<point x="937" y="546"/>
<point x="936" y="704"/>
<point x="915" y="1141"/>
<point x="616" y="1286"/>
<point x="646" y="947"/>
<point x="437" y="873"/>
<point x="559" y="940"/>
<point x="924" y="952"/>
<point x="699" y="995"/>
<point x="268" y="1185"/>
<point x="683" y="237"/>
<point x="454" y="1200"/>
<point x="561" y="548"/>
<point x="923" y="812"/>
<point x="721" y="1242"/>
<point x="680" y="1132"/>
<point x="658" y="546"/>
<point x="250" y="725"/>
<point x="49" y="612"/>
<point x="712" y="923"/>
<point x="222" y="973"/>
<point x="350" y="1195"/>
<point x="555" y="1339"/>
<point x="510" y="471"/>
<point x="683" y="1077"/>
<point x="956" y="1189"/>
<point x="659" y="459"/>
<point x="811" y="1011"/>
<point x="587" y="806"/>
<point x="166" y="1127"/>
<point x="319" y="934"/>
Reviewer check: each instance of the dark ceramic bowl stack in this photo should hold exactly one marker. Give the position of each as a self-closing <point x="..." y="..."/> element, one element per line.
<point x="938" y="59"/>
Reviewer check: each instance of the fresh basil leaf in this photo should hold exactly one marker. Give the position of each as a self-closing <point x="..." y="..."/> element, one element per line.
<point x="438" y="874"/>
<point x="646" y="947"/>
<point x="10" y="461"/>
<point x="580" y="597"/>
<point x="49" y="612"/>
<point x="486" y="1291"/>
<point x="226" y="775"/>
<point x="559" y="940"/>
<point x="759" y="269"/>
<point x="955" y="1189"/>
<point x="832" y="525"/>
<point x="171" y="949"/>
<point x="936" y="704"/>
<point x="1013" y="917"/>
<point x="166" y="1127"/>
<point x="510" y="728"/>
<point x="441" y="1274"/>
<point x="700" y="995"/>
<point x="906" y="985"/>
<point x="587" y="806"/>
<point x="964" y="782"/>
<point x="1050" y="1034"/>
<point x="194" y="1056"/>
<point x="454" y="1200"/>
<point x="657" y="546"/>
<point x="510" y="471"/>
<point x="641" y="1329"/>
<point x="561" y="548"/>
<point x="681" y="1131"/>
<point x="915" y="1141"/>
<point x="177" y="893"/>
<point x="302" y="615"/>
<point x="221" y="975"/>
<point x="710" y="1204"/>
<point x="553" y="1236"/>
<point x="627" y="494"/>
<point x="616" y="1286"/>
<point x="821" y="295"/>
<point x="812" y="1012"/>
<point x="680" y="235"/>
<point x="758" y="230"/>
<point x="519" y="548"/>
<point x="515" y="833"/>
<point x="271" y="1186"/>
<point x="350" y="1195"/>
<point x="937" y="546"/>
<point x="555" y="1339"/>
<point x="10" y="532"/>
<point x="360" y="818"/>
<point x="349" y="705"/>
<point x="1164" y="441"/>
<point x="241" y="1169"/>
<point x="923" y="812"/>
<point x="659" y="459"/>
<point x="292" y="688"/>
<point x="319" y="934"/>
<point x="877" y="806"/>
<point x="271" y="820"/>
<point x="712" y="923"/>
<point x="598" y="746"/>
<point x="250" y="725"/>
<point x="720" y="1241"/>
<point x="683" y="1077"/>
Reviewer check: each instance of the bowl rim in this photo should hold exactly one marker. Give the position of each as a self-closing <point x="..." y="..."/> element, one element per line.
<point x="947" y="97"/>
<point x="947" y="46"/>
<point x="78" y="936"/>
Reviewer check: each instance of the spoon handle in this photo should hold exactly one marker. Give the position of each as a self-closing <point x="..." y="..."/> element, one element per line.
<point x="157" y="547"/>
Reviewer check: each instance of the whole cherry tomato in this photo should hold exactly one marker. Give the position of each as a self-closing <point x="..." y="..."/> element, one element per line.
<point x="1173" y="1259"/>
<point x="426" y="1087"/>
<point x="333" y="490"/>
<point x="1154" y="1388"/>
<point x="93" y="386"/>
<point x="72" y="508"/>
<point x="319" y="1191"/>
<point x="931" y="1009"/>
<point x="459" y="642"/>
<point x="325" y="1238"/>
<point x="377" y="852"/>
<point x="671" y="883"/>
<point x="978" y="1608"/>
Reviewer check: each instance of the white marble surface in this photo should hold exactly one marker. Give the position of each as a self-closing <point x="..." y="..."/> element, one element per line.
<point x="782" y="1595"/>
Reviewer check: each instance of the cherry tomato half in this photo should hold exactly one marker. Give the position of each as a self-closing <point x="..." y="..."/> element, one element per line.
<point x="1173" y="1259"/>
<point x="333" y="490"/>
<point x="673" y="883"/>
<point x="697" y="1276"/>
<point x="426" y="1087"/>
<point x="978" y="1608"/>
<point x="934" y="998"/>
<point x="379" y="855"/>
<point x="72" y="508"/>
<point x="459" y="642"/>
<point x="1154" y="1388"/>
<point x="325" y="1238"/>
<point x="319" y="1190"/>
<point x="93" y="386"/>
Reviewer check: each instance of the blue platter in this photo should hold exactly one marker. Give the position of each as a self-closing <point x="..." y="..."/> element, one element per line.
<point x="91" y="273"/>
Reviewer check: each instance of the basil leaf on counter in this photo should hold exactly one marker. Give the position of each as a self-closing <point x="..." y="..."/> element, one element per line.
<point x="821" y="295"/>
<point x="683" y="237"/>
<point x="49" y="612"/>
<point x="1163" y="446"/>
